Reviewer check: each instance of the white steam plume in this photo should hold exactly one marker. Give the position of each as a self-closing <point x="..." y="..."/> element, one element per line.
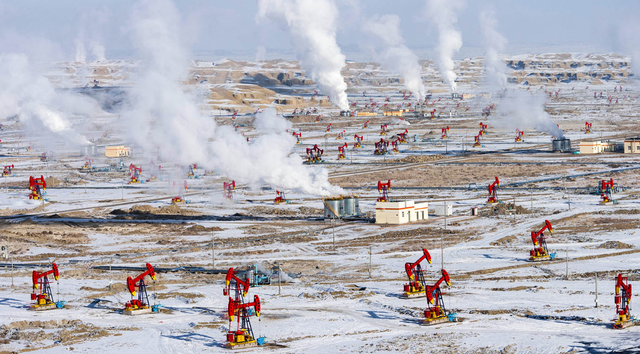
<point x="81" y="52"/>
<point x="443" y="14"/>
<point x="40" y="107"/>
<point x="396" y="56"/>
<point x="312" y="27"/>
<point x="521" y="109"/>
<point x="267" y="159"/>
<point x="495" y="69"/>
<point x="98" y="51"/>
<point x="164" y="119"/>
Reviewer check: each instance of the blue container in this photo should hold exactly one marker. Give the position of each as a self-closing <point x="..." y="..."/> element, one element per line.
<point x="261" y="340"/>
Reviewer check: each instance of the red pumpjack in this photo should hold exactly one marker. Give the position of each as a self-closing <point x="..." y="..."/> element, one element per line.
<point x="587" y="127"/>
<point x="43" y="300"/>
<point x="519" y="134"/>
<point x="298" y="137"/>
<point x="314" y="155"/>
<point x="358" y="139"/>
<point x="483" y="129"/>
<point x="383" y="189"/>
<point x="436" y="312"/>
<point x="7" y="171"/>
<point x="540" y="252"/>
<point x="606" y="191"/>
<point x="477" y="139"/>
<point x="383" y="129"/>
<point x="134" y="173"/>
<point x="180" y="197"/>
<point x="445" y="132"/>
<point x="402" y="137"/>
<point x="229" y="187"/>
<point x="394" y="145"/>
<point x="417" y="284"/>
<point x="381" y="147"/>
<point x="141" y="304"/>
<point x="493" y="192"/>
<point x="341" y="151"/>
<point x="623" y="301"/>
<point x="280" y="198"/>
<point x="38" y="187"/>
<point x="242" y="335"/>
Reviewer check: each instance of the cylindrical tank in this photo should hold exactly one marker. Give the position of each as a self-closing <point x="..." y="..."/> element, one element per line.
<point x="349" y="206"/>
<point x="332" y="204"/>
<point x="561" y="145"/>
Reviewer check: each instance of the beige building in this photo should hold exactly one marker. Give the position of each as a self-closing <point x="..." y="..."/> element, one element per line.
<point x="632" y="146"/>
<point x="117" y="151"/>
<point x="401" y="212"/>
<point x="597" y="147"/>
<point x="393" y="113"/>
<point x="365" y="114"/>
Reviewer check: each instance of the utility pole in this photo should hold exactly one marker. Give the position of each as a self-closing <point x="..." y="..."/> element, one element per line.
<point x="596" y="289"/>
<point x="531" y="193"/>
<point x="279" y="271"/>
<point x="333" y="223"/>
<point x="369" y="262"/>
<point x="213" y="251"/>
<point x="122" y="189"/>
<point x="567" y="263"/>
<point x="442" y="236"/>
<point x="569" y="197"/>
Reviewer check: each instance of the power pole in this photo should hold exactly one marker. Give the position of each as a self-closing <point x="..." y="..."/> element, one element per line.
<point x="213" y="251"/>
<point x="567" y="263"/>
<point x="279" y="271"/>
<point x="369" y="262"/>
<point x="442" y="236"/>
<point x="596" y="289"/>
<point x="333" y="222"/>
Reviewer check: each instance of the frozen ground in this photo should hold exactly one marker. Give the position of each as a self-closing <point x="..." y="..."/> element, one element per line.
<point x="504" y="303"/>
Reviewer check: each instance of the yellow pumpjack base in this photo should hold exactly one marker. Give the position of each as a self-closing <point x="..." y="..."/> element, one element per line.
<point x="539" y="259"/>
<point x="140" y="311"/>
<point x="49" y="306"/>
<point x="242" y="345"/>
<point x="412" y="294"/>
<point x="435" y="321"/>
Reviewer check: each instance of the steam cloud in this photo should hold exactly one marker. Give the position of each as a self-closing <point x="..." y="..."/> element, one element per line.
<point x="443" y="14"/>
<point x="396" y="56"/>
<point x="495" y="69"/>
<point x="164" y="119"/>
<point x="521" y="109"/>
<point x="39" y="106"/>
<point x="98" y="51"/>
<point x="312" y="27"/>
<point x="81" y="53"/>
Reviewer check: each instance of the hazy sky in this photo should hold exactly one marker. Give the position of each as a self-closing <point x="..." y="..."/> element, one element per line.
<point x="48" y="29"/>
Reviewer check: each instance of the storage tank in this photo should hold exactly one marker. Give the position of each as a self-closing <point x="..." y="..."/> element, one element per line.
<point x="335" y="204"/>
<point x="349" y="206"/>
<point x="561" y="145"/>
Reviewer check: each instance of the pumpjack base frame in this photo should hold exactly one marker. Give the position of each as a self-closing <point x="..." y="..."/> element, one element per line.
<point x="135" y="312"/>
<point x="621" y="325"/>
<point x="539" y="259"/>
<point x="412" y="295"/>
<point x="49" y="306"/>
<point x="242" y="345"/>
<point x="611" y="202"/>
<point x="435" y="321"/>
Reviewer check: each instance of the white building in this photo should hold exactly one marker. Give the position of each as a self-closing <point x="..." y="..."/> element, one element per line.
<point x="597" y="147"/>
<point x="401" y="212"/>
